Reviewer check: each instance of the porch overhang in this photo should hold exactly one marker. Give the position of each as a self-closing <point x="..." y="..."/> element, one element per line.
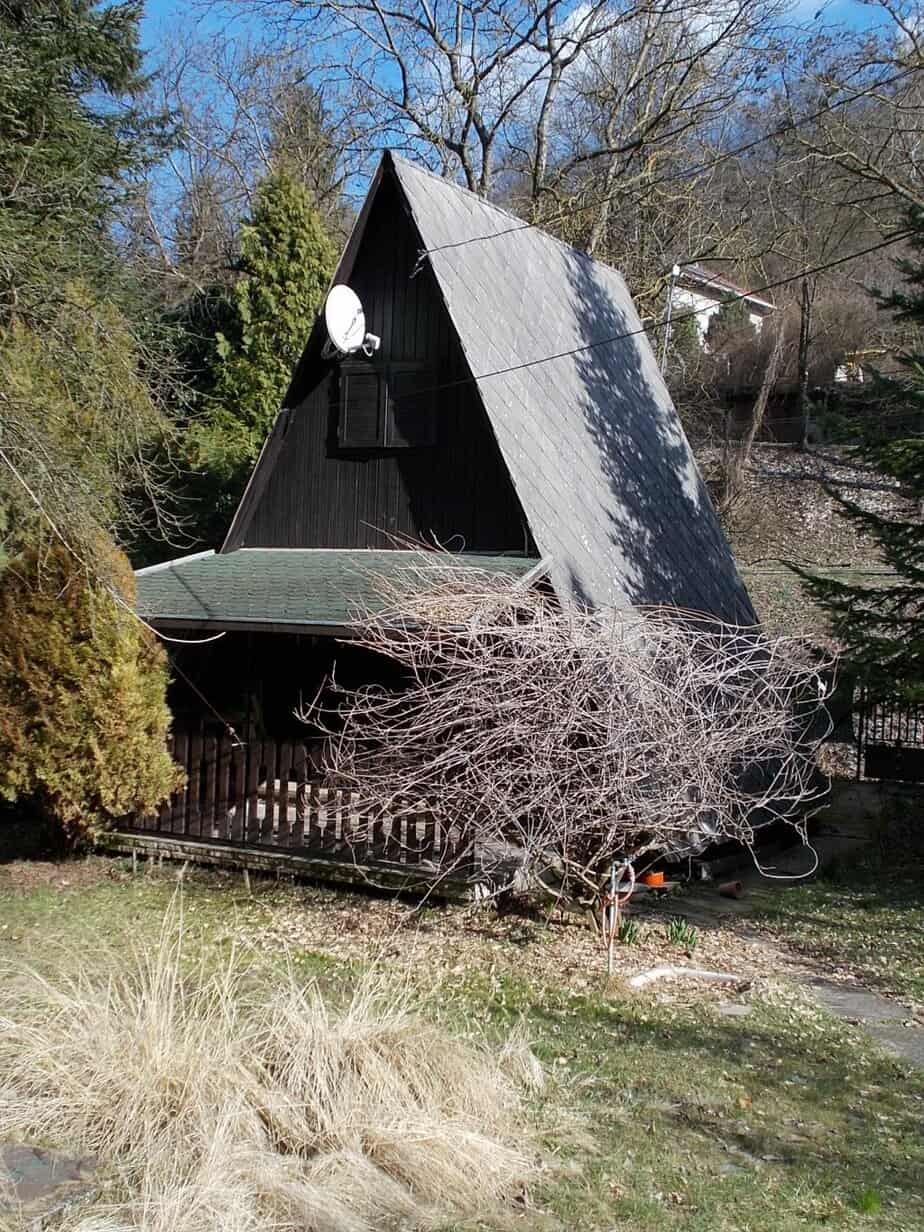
<point x="313" y="591"/>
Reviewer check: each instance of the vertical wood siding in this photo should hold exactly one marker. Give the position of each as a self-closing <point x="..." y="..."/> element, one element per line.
<point x="457" y="491"/>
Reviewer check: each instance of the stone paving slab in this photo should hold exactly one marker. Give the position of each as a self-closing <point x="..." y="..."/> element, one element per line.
<point x="38" y="1185"/>
<point x="884" y="1020"/>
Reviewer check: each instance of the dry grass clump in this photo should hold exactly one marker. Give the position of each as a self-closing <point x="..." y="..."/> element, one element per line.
<point x="225" y="1103"/>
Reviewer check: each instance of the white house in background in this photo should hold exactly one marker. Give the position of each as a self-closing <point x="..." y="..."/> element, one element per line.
<point x="705" y="292"/>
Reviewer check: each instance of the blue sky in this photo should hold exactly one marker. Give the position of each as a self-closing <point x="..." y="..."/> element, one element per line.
<point x="849" y="12"/>
<point x="159" y="15"/>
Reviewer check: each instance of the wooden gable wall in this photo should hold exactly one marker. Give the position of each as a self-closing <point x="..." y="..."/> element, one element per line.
<point x="456" y="491"/>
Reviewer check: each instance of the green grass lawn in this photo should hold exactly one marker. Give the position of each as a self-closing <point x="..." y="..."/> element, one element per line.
<point x="863" y="916"/>
<point x="660" y="1114"/>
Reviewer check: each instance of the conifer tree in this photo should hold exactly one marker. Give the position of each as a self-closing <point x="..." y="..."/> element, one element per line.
<point x="83" y="716"/>
<point x="286" y="260"/>
<point x="72" y="138"/>
<point x="881" y="628"/>
<point x="82" y="370"/>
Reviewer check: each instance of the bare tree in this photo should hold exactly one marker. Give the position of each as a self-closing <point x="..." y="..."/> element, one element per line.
<point x="878" y="139"/>
<point x="537" y="90"/>
<point x="654" y="99"/>
<point x="814" y="220"/>
<point x="738" y="452"/>
<point x="244" y="107"/>
<point x="571" y="738"/>
<point x="453" y="80"/>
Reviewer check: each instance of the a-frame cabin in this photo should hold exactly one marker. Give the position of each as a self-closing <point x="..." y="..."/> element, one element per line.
<point x="513" y="413"/>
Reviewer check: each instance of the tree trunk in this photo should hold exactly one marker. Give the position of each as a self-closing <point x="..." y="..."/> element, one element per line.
<point x="736" y="459"/>
<point x="805" y="332"/>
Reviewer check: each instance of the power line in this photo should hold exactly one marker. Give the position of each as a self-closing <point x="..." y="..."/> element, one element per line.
<point x="781" y="419"/>
<point x="754" y="571"/>
<point x="656" y="325"/>
<point x="570" y="211"/>
<point x="236" y="741"/>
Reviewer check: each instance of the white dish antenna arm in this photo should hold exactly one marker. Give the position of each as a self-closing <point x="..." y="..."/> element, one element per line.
<point x="346" y="325"/>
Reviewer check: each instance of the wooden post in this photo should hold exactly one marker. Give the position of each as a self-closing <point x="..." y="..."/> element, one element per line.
<point x="267" y="763"/>
<point x="194" y="786"/>
<point x="210" y="746"/>
<point x="286" y="772"/>
<point x="180" y="810"/>
<point x="251" y="829"/>
<point x="222" y="786"/>
<point x="611" y="918"/>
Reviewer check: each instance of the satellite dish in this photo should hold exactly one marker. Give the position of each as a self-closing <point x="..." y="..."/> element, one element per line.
<point x="346" y="324"/>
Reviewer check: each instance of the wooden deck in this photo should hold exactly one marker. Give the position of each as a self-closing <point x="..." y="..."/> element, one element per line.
<point x="416" y="880"/>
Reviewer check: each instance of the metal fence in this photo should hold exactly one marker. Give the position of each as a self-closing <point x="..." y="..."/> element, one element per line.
<point x="890" y="739"/>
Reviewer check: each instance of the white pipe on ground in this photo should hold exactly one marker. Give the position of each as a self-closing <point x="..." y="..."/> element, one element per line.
<point x="690" y="973"/>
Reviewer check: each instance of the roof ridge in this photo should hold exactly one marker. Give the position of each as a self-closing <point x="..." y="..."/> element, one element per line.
<point x="421" y="551"/>
<point x="166" y="564"/>
<point x="705" y="274"/>
<point x="499" y="209"/>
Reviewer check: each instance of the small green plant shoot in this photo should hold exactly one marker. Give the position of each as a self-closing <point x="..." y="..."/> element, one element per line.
<point x="680" y="932"/>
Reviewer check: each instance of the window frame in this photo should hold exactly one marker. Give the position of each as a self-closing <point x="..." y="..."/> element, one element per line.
<point x="385" y="403"/>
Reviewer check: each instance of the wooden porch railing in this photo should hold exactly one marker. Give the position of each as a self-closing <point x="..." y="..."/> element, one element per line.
<point x="264" y="793"/>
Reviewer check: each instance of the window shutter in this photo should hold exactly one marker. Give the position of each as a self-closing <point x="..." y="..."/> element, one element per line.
<point x="410" y="418"/>
<point x="360" y="406"/>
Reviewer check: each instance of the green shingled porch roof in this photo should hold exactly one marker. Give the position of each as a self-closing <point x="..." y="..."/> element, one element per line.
<point x="318" y="589"/>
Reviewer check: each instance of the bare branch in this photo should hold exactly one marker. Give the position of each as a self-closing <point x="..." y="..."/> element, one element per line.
<point x="574" y="738"/>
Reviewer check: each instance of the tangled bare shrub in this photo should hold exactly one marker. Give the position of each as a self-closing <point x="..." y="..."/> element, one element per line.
<point x="576" y="738"/>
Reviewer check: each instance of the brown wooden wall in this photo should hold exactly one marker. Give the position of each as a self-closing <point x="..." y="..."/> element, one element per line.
<point x="456" y="491"/>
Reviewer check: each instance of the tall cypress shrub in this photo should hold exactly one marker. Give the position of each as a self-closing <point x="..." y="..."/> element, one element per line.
<point x="83" y="713"/>
<point x="286" y="260"/>
<point x="285" y="263"/>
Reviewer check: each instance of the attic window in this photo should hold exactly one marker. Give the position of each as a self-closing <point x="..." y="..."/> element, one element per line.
<point x="390" y="407"/>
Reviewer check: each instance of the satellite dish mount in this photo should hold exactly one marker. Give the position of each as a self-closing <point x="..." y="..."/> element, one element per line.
<point x="346" y="325"/>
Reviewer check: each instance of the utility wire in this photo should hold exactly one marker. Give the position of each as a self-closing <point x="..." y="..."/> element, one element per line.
<point x="570" y="211"/>
<point x="656" y="325"/>
<point x="236" y="741"/>
<point x="753" y="571"/>
<point x="783" y="419"/>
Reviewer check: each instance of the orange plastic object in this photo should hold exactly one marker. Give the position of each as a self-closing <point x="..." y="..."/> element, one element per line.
<point x="653" y="879"/>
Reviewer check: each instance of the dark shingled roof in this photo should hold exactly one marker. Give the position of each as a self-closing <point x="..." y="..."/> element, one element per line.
<point x="594" y="446"/>
<point x="319" y="589"/>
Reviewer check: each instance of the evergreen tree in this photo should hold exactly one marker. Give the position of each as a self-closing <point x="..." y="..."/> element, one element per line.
<point x="83" y="720"/>
<point x="79" y="424"/>
<point x="72" y="136"/>
<point x="285" y="264"/>
<point x="286" y="260"/>
<point x="80" y="369"/>
<point x="882" y="627"/>
<point x="83" y="716"/>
